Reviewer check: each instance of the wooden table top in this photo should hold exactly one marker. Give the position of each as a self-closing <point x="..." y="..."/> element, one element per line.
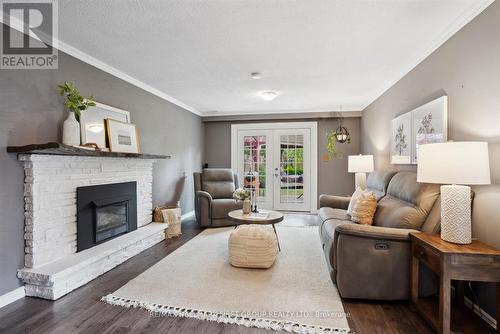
<point x="273" y="218"/>
<point x="435" y="241"/>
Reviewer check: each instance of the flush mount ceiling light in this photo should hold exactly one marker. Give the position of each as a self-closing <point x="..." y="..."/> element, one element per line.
<point x="255" y="75"/>
<point x="269" y="95"/>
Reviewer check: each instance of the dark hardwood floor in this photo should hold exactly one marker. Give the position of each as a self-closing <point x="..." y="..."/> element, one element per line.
<point x="82" y="311"/>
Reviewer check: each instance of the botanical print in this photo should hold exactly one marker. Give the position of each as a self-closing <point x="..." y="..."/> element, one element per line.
<point x="430" y="124"/>
<point x="401" y="141"/>
<point x="426" y="125"/>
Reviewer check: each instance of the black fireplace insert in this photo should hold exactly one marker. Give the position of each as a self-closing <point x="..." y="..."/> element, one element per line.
<point x="105" y="212"/>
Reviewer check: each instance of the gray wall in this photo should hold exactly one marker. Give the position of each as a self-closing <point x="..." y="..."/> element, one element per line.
<point x="31" y="111"/>
<point x="332" y="175"/>
<point x="467" y="69"/>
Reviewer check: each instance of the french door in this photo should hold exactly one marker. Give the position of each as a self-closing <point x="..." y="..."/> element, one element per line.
<point x="278" y="161"/>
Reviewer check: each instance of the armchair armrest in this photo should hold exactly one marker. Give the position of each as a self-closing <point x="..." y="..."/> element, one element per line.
<point x="375" y="232"/>
<point x="204" y="194"/>
<point x="336" y="202"/>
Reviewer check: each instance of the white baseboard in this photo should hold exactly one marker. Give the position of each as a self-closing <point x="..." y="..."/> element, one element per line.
<point x="11" y="296"/>
<point x="187" y="215"/>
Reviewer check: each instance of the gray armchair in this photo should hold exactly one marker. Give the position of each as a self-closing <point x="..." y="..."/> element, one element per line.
<point x="214" y="190"/>
<point x="373" y="261"/>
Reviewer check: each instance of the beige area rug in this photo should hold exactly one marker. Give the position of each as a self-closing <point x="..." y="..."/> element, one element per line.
<point x="197" y="281"/>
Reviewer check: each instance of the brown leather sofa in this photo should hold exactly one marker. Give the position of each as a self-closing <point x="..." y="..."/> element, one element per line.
<point x="214" y="190"/>
<point x="373" y="261"/>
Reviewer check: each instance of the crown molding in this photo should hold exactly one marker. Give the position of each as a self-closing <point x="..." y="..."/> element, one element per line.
<point x="76" y="53"/>
<point x="68" y="49"/>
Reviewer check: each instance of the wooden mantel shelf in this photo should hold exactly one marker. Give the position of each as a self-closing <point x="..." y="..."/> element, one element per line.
<point x="61" y="149"/>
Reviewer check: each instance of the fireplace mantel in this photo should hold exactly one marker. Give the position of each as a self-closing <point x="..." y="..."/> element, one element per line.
<point x="61" y="149"/>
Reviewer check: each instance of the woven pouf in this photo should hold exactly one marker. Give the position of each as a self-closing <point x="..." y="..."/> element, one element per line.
<point x="252" y="246"/>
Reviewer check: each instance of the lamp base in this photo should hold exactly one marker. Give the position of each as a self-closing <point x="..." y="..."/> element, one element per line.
<point x="456" y="220"/>
<point x="360" y="181"/>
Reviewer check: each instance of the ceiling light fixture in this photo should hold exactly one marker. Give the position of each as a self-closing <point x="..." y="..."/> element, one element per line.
<point x="269" y="95"/>
<point x="255" y="75"/>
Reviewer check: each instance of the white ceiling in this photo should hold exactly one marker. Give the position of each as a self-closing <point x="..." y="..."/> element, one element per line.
<point x="320" y="55"/>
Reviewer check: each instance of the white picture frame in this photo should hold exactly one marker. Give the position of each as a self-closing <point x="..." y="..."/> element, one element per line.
<point x="429" y="124"/>
<point x="122" y="136"/>
<point x="92" y="122"/>
<point x="401" y="139"/>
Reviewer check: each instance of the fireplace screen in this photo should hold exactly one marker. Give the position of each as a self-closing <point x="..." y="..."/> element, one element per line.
<point x="111" y="220"/>
<point x="104" y="212"/>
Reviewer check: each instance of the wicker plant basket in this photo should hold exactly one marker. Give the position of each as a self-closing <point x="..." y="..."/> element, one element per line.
<point x="158" y="215"/>
<point x="172" y="216"/>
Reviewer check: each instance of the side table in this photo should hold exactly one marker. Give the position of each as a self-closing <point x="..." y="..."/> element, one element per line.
<point x="474" y="262"/>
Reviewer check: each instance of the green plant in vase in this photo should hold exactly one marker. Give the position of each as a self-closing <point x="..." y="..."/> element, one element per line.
<point x="75" y="104"/>
<point x="75" y="101"/>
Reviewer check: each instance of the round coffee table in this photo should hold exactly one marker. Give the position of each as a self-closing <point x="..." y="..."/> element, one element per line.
<point x="274" y="217"/>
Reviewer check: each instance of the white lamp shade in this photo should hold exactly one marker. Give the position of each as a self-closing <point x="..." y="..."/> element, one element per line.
<point x="465" y="163"/>
<point x="360" y="163"/>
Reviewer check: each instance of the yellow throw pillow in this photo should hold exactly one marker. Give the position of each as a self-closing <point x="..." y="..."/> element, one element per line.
<point x="364" y="209"/>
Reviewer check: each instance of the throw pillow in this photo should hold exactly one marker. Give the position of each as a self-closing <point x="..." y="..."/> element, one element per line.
<point x="354" y="199"/>
<point x="364" y="209"/>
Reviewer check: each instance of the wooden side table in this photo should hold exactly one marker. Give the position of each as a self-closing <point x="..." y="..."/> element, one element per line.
<point x="475" y="262"/>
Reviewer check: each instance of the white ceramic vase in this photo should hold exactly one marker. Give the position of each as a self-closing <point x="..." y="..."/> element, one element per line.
<point x="71" y="130"/>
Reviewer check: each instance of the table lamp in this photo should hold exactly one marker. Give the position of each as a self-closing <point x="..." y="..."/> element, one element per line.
<point x="457" y="165"/>
<point x="360" y="164"/>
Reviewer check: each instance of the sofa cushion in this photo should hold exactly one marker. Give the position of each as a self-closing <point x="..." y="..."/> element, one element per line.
<point x="222" y="206"/>
<point x="407" y="203"/>
<point x="218" y="182"/>
<point x="326" y="213"/>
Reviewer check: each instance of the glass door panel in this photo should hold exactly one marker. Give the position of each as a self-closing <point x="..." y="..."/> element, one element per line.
<point x="253" y="164"/>
<point x="291" y="171"/>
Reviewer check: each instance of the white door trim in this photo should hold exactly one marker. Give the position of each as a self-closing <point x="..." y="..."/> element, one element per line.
<point x="313" y="126"/>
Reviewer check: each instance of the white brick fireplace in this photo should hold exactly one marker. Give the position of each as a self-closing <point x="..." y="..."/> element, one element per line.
<point x="52" y="265"/>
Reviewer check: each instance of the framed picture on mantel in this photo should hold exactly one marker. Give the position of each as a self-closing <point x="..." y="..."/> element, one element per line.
<point x="122" y="136"/>
<point x="92" y="123"/>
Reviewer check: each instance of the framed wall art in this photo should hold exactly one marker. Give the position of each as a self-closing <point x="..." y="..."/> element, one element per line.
<point x="401" y="141"/>
<point x="430" y="124"/>
<point x="122" y="136"/>
<point x="92" y="123"/>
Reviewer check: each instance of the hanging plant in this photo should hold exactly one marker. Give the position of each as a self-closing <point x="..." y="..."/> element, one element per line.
<point x="75" y="101"/>
<point x="339" y="135"/>
<point x="331" y="148"/>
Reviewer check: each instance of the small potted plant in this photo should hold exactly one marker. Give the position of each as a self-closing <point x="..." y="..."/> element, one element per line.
<point x="76" y="104"/>
<point x="243" y="194"/>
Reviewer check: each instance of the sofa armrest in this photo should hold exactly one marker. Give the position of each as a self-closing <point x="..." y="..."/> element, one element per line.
<point x="375" y="232"/>
<point x="336" y="202"/>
